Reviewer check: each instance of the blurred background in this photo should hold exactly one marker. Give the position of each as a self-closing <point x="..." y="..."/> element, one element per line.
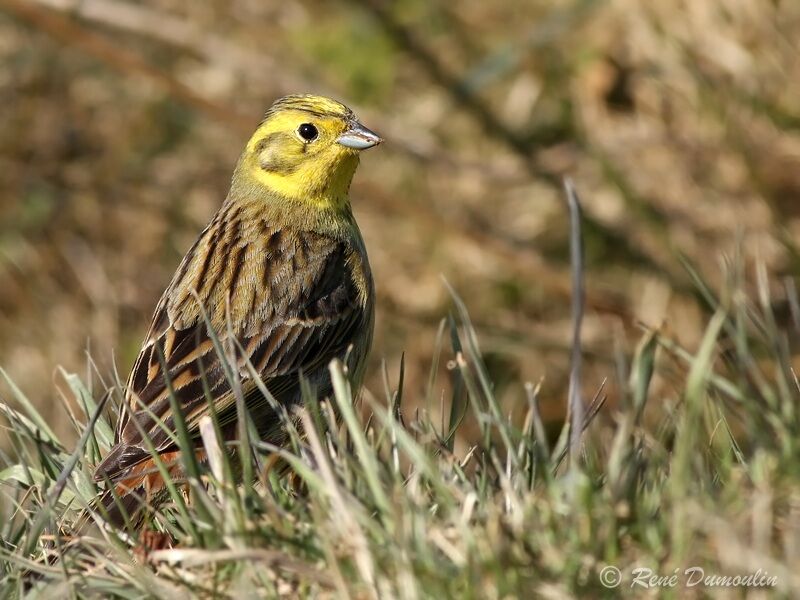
<point x="678" y="120"/>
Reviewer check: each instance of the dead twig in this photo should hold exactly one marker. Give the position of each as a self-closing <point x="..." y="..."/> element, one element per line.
<point x="575" y="407"/>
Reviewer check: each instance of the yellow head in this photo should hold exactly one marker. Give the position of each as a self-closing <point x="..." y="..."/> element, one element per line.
<point x="306" y="149"/>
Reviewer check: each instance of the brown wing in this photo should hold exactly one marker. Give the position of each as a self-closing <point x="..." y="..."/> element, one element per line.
<point x="294" y="302"/>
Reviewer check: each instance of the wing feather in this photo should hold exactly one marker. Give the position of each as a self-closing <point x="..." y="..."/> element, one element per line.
<point x="293" y="307"/>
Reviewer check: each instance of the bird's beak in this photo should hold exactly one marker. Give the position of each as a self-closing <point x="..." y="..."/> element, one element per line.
<point x="359" y="137"/>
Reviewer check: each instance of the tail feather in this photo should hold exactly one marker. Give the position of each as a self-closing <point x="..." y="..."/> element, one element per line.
<point x="120" y="459"/>
<point x="123" y="510"/>
<point x="131" y="488"/>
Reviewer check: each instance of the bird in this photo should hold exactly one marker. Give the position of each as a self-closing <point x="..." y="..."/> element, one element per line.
<point x="280" y="274"/>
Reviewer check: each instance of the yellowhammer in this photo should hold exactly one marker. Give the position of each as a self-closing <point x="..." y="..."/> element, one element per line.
<point x="282" y="268"/>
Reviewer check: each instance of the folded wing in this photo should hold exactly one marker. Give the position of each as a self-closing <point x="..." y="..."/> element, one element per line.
<point x="284" y="302"/>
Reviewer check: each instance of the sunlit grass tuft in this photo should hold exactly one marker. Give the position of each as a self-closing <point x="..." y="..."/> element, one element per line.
<point x="390" y="506"/>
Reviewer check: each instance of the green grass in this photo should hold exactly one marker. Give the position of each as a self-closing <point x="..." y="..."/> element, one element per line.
<point x="703" y="473"/>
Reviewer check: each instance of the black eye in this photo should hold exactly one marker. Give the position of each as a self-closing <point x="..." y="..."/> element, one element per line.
<point x="308" y="132"/>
